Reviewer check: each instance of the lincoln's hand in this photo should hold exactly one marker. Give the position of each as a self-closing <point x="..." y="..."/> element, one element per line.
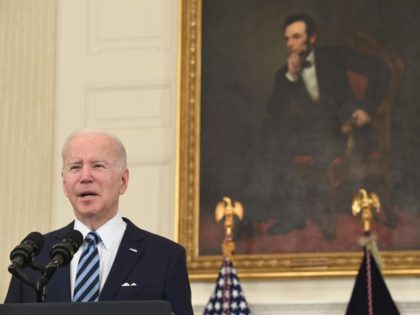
<point x="294" y="64"/>
<point x="360" y="117"/>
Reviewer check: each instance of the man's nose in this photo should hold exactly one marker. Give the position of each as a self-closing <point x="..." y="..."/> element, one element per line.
<point x="86" y="174"/>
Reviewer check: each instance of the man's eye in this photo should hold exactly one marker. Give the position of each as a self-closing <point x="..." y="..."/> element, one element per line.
<point x="98" y="165"/>
<point x="74" y="167"/>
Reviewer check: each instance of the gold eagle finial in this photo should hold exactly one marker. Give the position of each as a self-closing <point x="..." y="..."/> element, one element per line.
<point x="228" y="209"/>
<point x="365" y="202"/>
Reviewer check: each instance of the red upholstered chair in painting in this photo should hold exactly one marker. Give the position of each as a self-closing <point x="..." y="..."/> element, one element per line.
<point x="374" y="164"/>
<point x="350" y="167"/>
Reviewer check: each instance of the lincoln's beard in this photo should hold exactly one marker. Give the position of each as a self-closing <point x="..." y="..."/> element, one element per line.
<point x="305" y="52"/>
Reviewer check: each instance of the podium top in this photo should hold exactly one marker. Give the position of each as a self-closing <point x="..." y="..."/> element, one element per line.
<point x="92" y="308"/>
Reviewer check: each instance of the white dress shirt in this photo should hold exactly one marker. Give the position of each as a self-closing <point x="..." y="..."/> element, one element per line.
<point x="309" y="77"/>
<point x="111" y="234"/>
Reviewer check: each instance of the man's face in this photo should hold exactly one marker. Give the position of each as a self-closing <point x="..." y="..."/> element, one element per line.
<point x="93" y="178"/>
<point x="297" y="39"/>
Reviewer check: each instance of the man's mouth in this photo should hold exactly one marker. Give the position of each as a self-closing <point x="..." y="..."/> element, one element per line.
<point x="87" y="194"/>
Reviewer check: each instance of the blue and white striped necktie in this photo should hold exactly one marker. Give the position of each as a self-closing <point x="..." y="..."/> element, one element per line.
<point x="86" y="287"/>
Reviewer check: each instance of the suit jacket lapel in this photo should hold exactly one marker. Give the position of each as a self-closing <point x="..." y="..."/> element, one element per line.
<point x="128" y="254"/>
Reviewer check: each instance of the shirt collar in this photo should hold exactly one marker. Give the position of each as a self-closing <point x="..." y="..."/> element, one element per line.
<point x="107" y="232"/>
<point x="311" y="57"/>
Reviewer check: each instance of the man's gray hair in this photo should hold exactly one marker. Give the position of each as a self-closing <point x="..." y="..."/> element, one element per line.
<point x="119" y="146"/>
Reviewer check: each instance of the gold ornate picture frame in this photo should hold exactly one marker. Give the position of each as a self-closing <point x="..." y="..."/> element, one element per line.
<point x="193" y="230"/>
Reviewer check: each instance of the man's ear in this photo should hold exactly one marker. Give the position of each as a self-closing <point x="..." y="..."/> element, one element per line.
<point x="313" y="39"/>
<point x="124" y="181"/>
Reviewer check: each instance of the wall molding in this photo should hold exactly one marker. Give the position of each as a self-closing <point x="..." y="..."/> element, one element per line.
<point x="406" y="308"/>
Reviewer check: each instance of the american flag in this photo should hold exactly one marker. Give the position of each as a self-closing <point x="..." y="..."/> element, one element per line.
<point x="227" y="298"/>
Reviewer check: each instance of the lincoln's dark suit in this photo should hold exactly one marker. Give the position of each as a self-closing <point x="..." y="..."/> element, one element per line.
<point x="305" y="126"/>
<point x="296" y="126"/>
<point x="155" y="264"/>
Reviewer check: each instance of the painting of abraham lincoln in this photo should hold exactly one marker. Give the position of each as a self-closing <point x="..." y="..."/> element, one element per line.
<point x="243" y="156"/>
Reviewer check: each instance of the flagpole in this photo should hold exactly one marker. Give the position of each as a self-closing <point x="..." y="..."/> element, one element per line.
<point x="370" y="295"/>
<point x="364" y="203"/>
<point x="228" y="298"/>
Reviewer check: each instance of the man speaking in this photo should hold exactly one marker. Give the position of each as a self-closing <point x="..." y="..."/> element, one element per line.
<point x="117" y="260"/>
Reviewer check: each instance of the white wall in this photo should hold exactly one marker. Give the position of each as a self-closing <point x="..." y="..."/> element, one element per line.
<point x="27" y="77"/>
<point x="116" y="70"/>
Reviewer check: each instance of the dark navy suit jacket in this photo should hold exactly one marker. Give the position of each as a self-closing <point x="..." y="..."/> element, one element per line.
<point x="156" y="266"/>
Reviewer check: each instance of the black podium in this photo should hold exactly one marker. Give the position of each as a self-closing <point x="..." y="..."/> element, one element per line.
<point x="95" y="308"/>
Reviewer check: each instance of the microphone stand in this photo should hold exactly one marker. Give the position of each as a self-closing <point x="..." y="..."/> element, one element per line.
<point x="41" y="286"/>
<point x="46" y="275"/>
<point x="18" y="273"/>
<point x="41" y="291"/>
<point x="61" y="254"/>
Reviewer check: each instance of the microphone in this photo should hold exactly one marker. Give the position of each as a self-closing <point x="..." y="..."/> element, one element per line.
<point x="61" y="254"/>
<point x="21" y="256"/>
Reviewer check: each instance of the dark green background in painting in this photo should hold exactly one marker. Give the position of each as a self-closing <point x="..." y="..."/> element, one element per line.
<point x="242" y="50"/>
